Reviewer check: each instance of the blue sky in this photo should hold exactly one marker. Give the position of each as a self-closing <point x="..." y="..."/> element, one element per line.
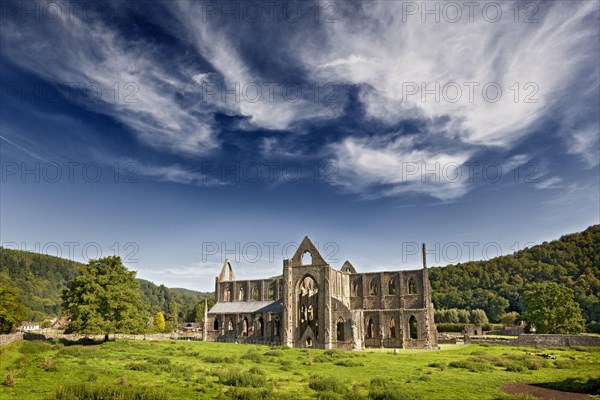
<point x="179" y="133"/>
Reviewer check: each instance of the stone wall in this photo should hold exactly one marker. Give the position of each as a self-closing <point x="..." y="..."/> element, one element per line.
<point x="8" y="339"/>
<point x="558" y="340"/>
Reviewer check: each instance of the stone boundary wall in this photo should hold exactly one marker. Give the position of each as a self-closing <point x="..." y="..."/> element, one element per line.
<point x="558" y="340"/>
<point x="539" y="340"/>
<point x="8" y="339"/>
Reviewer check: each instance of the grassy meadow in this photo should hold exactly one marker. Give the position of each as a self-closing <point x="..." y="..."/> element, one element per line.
<point x="157" y="370"/>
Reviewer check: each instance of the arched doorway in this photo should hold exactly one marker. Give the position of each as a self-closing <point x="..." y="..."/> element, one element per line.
<point x="308" y="302"/>
<point x="261" y="326"/>
<point x="340" y="329"/>
<point x="245" y="327"/>
<point x="413" y="328"/>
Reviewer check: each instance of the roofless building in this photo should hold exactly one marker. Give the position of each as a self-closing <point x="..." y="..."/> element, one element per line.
<point x="314" y="305"/>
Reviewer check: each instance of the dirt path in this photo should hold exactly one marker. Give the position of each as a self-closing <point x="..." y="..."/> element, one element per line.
<point x="542" y="393"/>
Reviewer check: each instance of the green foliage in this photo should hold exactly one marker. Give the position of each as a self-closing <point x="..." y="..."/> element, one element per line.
<point x="326" y="384"/>
<point x="9" y="380"/>
<point x="497" y="284"/>
<point x="168" y="365"/>
<point x="121" y="392"/>
<point x="551" y="307"/>
<point x="105" y="298"/>
<point x="41" y="279"/>
<point x="460" y="317"/>
<point x="509" y="319"/>
<point x="159" y="321"/>
<point x="237" y="377"/>
<point x="478" y="317"/>
<point x="384" y="389"/>
<point x="12" y="311"/>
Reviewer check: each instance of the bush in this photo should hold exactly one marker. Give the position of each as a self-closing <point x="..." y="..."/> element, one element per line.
<point x="236" y="377"/>
<point x="219" y="359"/>
<point x="448" y="327"/>
<point x="325" y="384"/>
<point x="274" y="353"/>
<point x="348" y="363"/>
<point x="122" y="392"/>
<point x="382" y="389"/>
<point x="440" y="365"/>
<point x="48" y="365"/>
<point x="516" y="367"/>
<point x="253" y="356"/>
<point x="9" y="380"/>
<point x="237" y="393"/>
<point x="471" y="365"/>
<point x="77" y="351"/>
<point x="34" y="347"/>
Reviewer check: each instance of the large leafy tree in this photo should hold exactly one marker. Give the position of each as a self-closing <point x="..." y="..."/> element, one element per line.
<point x="11" y="310"/>
<point x="552" y="308"/>
<point x="105" y="298"/>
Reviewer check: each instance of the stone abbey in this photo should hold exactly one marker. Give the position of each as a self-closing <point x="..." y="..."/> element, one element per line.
<point x="314" y="305"/>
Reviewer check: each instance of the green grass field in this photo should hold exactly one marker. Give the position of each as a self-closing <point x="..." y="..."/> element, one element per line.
<point x="145" y="370"/>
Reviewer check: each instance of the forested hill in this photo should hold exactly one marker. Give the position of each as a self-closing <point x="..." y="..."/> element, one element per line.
<point x="40" y="280"/>
<point x="492" y="285"/>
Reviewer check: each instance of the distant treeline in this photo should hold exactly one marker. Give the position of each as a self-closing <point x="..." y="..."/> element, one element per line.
<point x="40" y="280"/>
<point x="497" y="285"/>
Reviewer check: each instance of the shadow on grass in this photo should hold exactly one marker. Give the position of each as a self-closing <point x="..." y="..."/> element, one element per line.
<point x="36" y="337"/>
<point x="577" y="385"/>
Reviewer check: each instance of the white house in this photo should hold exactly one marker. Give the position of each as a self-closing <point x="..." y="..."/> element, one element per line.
<point x="29" y="326"/>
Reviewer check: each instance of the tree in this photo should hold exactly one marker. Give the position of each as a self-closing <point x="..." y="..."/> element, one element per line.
<point x="12" y="311"/>
<point x="478" y="317"/>
<point x="159" y="322"/>
<point x="509" y="319"/>
<point x="551" y="307"/>
<point x="464" y="316"/>
<point x="105" y="298"/>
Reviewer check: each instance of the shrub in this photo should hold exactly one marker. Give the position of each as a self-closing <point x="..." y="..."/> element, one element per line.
<point x="34" y="347"/>
<point x="325" y="384"/>
<point x="273" y="353"/>
<point x="237" y="393"/>
<point x="78" y="352"/>
<point x="219" y="359"/>
<point x="440" y="365"/>
<point x="348" y="363"/>
<point x="253" y="356"/>
<point x="145" y="367"/>
<point x="382" y="389"/>
<point x="48" y="365"/>
<point x="471" y="365"/>
<point x="564" y="364"/>
<point x="123" y="392"/>
<point x="236" y="377"/>
<point x="516" y="367"/>
<point x="9" y="380"/>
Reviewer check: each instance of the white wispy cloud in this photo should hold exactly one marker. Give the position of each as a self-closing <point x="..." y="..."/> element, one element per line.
<point x="586" y="143"/>
<point x="268" y="104"/>
<point x="74" y="53"/>
<point x="386" y="55"/>
<point x="391" y="165"/>
<point x="550" y="183"/>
